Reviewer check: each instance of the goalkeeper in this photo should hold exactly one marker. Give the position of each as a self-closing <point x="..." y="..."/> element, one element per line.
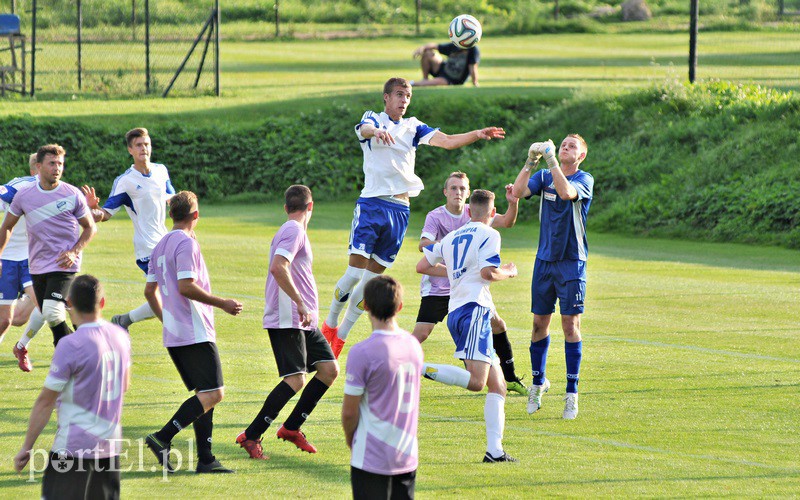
<point x="560" y="268"/>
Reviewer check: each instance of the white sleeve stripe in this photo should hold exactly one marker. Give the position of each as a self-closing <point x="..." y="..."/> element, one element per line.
<point x="284" y="253"/>
<point x="54" y="384"/>
<point x="151" y="278"/>
<point x="429" y="236"/>
<point x="353" y="390"/>
<point x="186" y="275"/>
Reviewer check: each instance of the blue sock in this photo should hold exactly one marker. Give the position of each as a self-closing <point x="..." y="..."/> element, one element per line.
<point x="539" y="359"/>
<point x="572" y="353"/>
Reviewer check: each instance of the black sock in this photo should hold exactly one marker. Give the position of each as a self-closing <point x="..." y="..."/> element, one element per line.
<point x="273" y="405"/>
<point x="311" y="395"/>
<point x="190" y="410"/>
<point x="503" y="348"/>
<point x="203" y="427"/>
<point x="60" y="331"/>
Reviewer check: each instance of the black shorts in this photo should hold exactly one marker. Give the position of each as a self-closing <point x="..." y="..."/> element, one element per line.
<point x="51" y="286"/>
<point x="298" y="351"/>
<point x="370" y="486"/>
<point x="433" y="309"/>
<point x="81" y="478"/>
<point x="198" y="365"/>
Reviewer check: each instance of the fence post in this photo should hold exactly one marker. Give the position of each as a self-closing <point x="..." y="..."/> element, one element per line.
<point x="13" y="6"/>
<point x="133" y="20"/>
<point x="556" y="11"/>
<point x="33" y="49"/>
<point x="277" y="18"/>
<point x="694" y="13"/>
<point x="419" y="14"/>
<point x="216" y="46"/>
<point x="80" y="39"/>
<point x="147" y="46"/>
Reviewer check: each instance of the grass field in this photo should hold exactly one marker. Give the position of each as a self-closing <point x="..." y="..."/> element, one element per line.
<point x="689" y="382"/>
<point x="260" y="78"/>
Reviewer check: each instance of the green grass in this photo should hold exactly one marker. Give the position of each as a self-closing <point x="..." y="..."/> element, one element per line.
<point x="689" y="381"/>
<point x="281" y="77"/>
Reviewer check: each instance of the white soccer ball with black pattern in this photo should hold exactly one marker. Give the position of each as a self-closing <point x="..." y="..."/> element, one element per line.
<point x="465" y="31"/>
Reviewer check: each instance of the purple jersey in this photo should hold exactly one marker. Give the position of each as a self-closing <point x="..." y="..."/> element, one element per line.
<point x="280" y="311"/>
<point x="438" y="223"/>
<point x="384" y="370"/>
<point x="90" y="368"/>
<point x="177" y="256"/>
<point x="51" y="218"/>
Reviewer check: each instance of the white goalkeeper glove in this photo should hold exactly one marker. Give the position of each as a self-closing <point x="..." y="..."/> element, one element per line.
<point x="548" y="150"/>
<point x="533" y="153"/>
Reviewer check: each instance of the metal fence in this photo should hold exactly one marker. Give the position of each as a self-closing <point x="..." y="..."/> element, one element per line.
<point x="83" y="45"/>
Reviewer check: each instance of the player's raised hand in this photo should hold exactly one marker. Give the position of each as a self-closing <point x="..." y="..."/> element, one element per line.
<point x="304" y="314"/>
<point x="548" y="150"/>
<point x="510" y="194"/>
<point x="511" y="269"/>
<point x="381" y="135"/>
<point x="534" y="152"/>
<point x="232" y="307"/>
<point x="21" y="460"/>
<point x="91" y="198"/>
<point x="490" y="133"/>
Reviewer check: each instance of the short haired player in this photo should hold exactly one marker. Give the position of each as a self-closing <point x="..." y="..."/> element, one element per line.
<point x="559" y="272"/>
<point x="59" y="227"/>
<point x="380" y="409"/>
<point x="185" y="306"/>
<point x="88" y="378"/>
<point x="435" y="291"/>
<point x="389" y="143"/>
<point x="144" y="190"/>
<point x="471" y="257"/>
<point x="291" y="312"/>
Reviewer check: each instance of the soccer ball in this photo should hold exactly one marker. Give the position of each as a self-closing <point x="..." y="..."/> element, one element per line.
<point x="465" y="31"/>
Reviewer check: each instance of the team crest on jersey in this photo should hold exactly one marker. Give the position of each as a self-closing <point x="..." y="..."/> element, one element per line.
<point x="549" y="196"/>
<point x="61" y="204"/>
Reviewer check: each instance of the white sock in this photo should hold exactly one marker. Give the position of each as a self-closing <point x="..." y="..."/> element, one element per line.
<point x="494" y="413"/>
<point x="341" y="294"/>
<point x="446" y="374"/>
<point x="141" y="313"/>
<point x="355" y="308"/>
<point x="35" y="323"/>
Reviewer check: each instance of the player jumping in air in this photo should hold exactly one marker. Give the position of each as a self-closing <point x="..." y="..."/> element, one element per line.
<point x="144" y="190"/>
<point x="560" y="270"/>
<point x="435" y="291"/>
<point x="471" y="256"/>
<point x="380" y="219"/>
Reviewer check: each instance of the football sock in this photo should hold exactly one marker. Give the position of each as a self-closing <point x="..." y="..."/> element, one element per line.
<point x="203" y="427"/>
<point x="356" y="307"/>
<point x="35" y="323"/>
<point x="141" y="313"/>
<point x="60" y="331"/>
<point x="446" y="374"/>
<point x="573" y="354"/>
<point x="539" y="359"/>
<point x="190" y="410"/>
<point x="273" y="405"/>
<point x="341" y="294"/>
<point x="309" y="398"/>
<point x="503" y="348"/>
<point x="494" y="413"/>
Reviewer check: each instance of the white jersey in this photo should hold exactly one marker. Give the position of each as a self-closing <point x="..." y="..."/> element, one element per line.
<point x="389" y="169"/>
<point x="17" y="246"/>
<point x="465" y="252"/>
<point x="145" y="198"/>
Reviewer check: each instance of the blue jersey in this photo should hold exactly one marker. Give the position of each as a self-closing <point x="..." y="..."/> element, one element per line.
<point x="562" y="223"/>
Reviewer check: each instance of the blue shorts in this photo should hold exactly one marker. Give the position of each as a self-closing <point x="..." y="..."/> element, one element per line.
<point x="379" y="227"/>
<point x="471" y="328"/>
<point x="13" y="281"/>
<point x="564" y="280"/>
<point x="143" y="264"/>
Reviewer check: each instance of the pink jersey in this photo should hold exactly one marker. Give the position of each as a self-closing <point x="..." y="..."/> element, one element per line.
<point x="438" y="223"/>
<point x="291" y="242"/>
<point x="90" y="368"/>
<point x="51" y="218"/>
<point x="177" y="256"/>
<point x="384" y="369"/>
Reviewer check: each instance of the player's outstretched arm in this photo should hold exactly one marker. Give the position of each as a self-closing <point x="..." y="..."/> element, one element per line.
<point x="99" y="214"/>
<point x="473" y="73"/>
<point x="425" y="267"/>
<point x="154" y="299"/>
<point x="455" y="141"/>
<point x="40" y="415"/>
<point x="369" y="131"/>
<point x="491" y="273"/>
<point x="192" y="291"/>
<point x="421" y="49"/>
<point x="425" y="242"/>
<point x="509" y="218"/>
